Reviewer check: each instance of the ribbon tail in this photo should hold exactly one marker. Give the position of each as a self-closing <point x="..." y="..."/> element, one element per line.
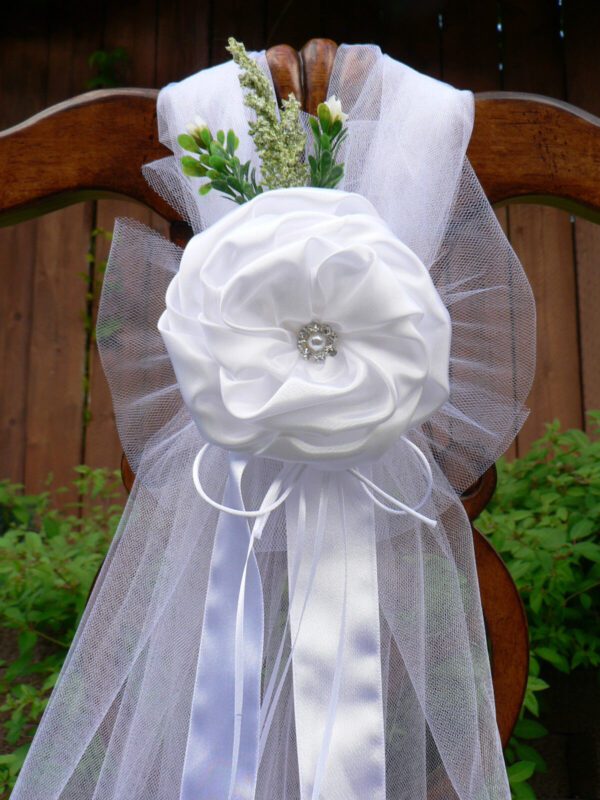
<point x="221" y="759"/>
<point x="335" y="628"/>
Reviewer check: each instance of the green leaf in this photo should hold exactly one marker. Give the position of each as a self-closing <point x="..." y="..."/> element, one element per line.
<point x="589" y="550"/>
<point x="520" y="771"/>
<point x="232" y="142"/>
<point x="531" y="703"/>
<point x="527" y="753"/>
<point x="205" y="188"/>
<point x="188" y="143"/>
<point x="223" y="186"/>
<point x="221" y="137"/>
<point x="553" y="657"/>
<point x="19" y="757"/>
<point x="27" y="641"/>
<point x="192" y="167"/>
<point x="216" y="162"/>
<point x="583" y="528"/>
<point x="529" y="729"/>
<point x="535" y="601"/>
<point x="326" y="161"/>
<point x="324" y="115"/>
<point x="51" y="527"/>
<point x="536" y="684"/>
<point x="522" y="791"/>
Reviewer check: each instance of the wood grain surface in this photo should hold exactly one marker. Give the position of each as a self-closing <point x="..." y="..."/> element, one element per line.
<point x="524" y="147"/>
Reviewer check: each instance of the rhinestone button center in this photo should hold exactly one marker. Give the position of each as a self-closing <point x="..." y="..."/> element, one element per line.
<point x="317" y="340"/>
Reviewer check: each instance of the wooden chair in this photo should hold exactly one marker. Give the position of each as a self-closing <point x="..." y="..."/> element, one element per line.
<point x="523" y="147"/>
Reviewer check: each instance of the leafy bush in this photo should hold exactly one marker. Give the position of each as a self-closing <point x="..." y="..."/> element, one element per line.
<point x="48" y="560"/>
<point x="544" y="521"/>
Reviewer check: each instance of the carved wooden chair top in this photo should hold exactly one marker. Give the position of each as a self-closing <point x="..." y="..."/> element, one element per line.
<point x="524" y="148"/>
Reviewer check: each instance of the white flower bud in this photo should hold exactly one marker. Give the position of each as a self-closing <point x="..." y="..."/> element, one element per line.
<point x="335" y="109"/>
<point x="196" y="127"/>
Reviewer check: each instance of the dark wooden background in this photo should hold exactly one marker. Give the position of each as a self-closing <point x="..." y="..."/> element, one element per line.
<point x="55" y="410"/>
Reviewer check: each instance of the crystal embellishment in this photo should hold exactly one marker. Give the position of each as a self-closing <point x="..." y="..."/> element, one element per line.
<point x="316" y="341"/>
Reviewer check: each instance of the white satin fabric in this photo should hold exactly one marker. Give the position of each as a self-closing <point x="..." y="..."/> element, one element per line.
<point x="334" y="630"/>
<point x="251" y="281"/>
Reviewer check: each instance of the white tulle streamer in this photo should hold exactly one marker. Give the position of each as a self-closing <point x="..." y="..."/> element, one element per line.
<point x="117" y="724"/>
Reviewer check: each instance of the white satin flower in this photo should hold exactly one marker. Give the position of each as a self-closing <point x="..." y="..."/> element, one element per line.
<point x="246" y="287"/>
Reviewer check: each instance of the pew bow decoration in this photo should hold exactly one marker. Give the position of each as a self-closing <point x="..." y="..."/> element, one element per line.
<point x="290" y="607"/>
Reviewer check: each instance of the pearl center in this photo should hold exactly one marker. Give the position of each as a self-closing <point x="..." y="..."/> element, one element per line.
<point x="317" y="340"/>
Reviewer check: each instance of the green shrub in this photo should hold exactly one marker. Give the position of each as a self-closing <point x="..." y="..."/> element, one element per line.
<point x="544" y="521"/>
<point x="48" y="560"/>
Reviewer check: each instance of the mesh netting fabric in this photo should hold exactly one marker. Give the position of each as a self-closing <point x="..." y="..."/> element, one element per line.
<point x="116" y="726"/>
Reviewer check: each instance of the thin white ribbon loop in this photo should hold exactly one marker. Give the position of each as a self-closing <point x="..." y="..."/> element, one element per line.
<point x="291" y="472"/>
<point x="375" y="492"/>
<point x="266" y="508"/>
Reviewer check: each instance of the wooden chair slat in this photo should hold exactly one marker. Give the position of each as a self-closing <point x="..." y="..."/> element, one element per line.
<point x="317" y="62"/>
<point x="88" y="147"/>
<point x="507" y="634"/>
<point x="530" y="148"/>
<point x="286" y="71"/>
<point x="524" y="147"/>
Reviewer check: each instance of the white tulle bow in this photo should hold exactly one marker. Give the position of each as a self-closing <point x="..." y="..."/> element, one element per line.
<point x="356" y="665"/>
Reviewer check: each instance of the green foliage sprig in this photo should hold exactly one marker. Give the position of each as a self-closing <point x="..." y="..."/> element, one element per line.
<point x="48" y="559"/>
<point x="544" y="521"/>
<point x="215" y="159"/>
<point x="328" y="134"/>
<point x="280" y="142"/>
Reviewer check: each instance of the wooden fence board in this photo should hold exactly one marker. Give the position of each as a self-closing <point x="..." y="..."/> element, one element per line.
<point x="471" y="46"/>
<point x="293" y="22"/>
<point x="346" y="25"/>
<point x="17" y="260"/>
<point x="22" y="93"/>
<point x="134" y="30"/>
<point x="542" y="237"/>
<point x="245" y="20"/>
<point x="409" y="32"/>
<point x="55" y="393"/>
<point x="471" y="53"/>
<point x="177" y="53"/>
<point x="582" y="36"/>
<point x="150" y="67"/>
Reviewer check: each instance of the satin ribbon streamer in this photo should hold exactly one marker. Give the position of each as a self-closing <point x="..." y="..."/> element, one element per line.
<point x="333" y="628"/>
